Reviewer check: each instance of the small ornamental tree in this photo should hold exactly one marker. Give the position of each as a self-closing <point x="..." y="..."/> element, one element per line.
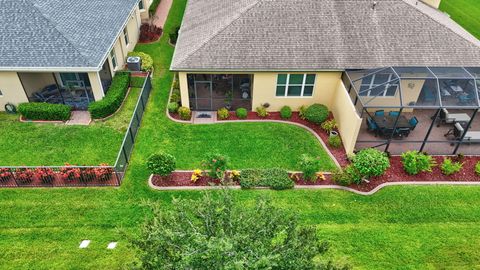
<point x="216" y="165"/>
<point x="218" y="232"/>
<point x="371" y="162"/>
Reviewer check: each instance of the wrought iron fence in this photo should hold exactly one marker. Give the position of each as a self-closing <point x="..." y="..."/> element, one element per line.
<point x="81" y="176"/>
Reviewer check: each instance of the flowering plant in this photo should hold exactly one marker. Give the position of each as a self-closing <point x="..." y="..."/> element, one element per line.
<point x="5" y="174"/>
<point x="46" y="175"/>
<point x="235" y="175"/>
<point x="103" y="174"/>
<point x="216" y="165"/>
<point x="87" y="174"/>
<point x="70" y="173"/>
<point x="196" y="175"/>
<point x="24" y="175"/>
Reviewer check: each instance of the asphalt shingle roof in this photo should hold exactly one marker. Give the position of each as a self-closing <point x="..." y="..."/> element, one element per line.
<point x="52" y="34"/>
<point x="319" y="34"/>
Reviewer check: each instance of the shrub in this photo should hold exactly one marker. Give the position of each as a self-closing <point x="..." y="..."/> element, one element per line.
<point x="176" y="96"/>
<point x="147" y="60"/>
<point x="329" y="125"/>
<point x="309" y="166"/>
<point x="335" y="141"/>
<point x="286" y="112"/>
<point x="241" y="113"/>
<point x="174" y="35"/>
<point x="46" y="175"/>
<point x="113" y="99"/>
<point x="161" y="163"/>
<point x="415" y="162"/>
<point x="185" y="113"/>
<point x="301" y="111"/>
<point x="275" y="178"/>
<point x="450" y="167"/>
<point x="45" y="111"/>
<point x="216" y="165"/>
<point x="223" y="114"/>
<point x="70" y="172"/>
<point x="104" y="172"/>
<point x="371" y="162"/>
<point x="6" y="174"/>
<point x="347" y="176"/>
<point x="173" y="107"/>
<point x="261" y="111"/>
<point x="477" y="168"/>
<point x="317" y="113"/>
<point x="149" y="32"/>
<point x="24" y="175"/>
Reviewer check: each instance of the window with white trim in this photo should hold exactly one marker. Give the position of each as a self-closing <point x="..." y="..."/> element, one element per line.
<point x="295" y="85"/>
<point x="378" y="85"/>
<point x="113" y="56"/>
<point x="140" y="5"/>
<point x="125" y="35"/>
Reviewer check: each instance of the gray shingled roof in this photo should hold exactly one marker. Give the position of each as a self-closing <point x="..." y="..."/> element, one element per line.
<point x="319" y="34"/>
<point x="50" y="34"/>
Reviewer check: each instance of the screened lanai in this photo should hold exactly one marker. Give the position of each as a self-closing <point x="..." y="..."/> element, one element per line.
<point x="431" y="109"/>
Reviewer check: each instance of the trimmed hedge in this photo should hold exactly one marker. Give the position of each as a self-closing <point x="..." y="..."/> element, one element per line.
<point x="45" y="111"/>
<point x="275" y="178"/>
<point x="113" y="99"/>
<point x="317" y="113"/>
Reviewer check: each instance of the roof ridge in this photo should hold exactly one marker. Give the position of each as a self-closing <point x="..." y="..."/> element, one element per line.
<point x="219" y="31"/>
<point x="437" y="21"/>
<point x="60" y="32"/>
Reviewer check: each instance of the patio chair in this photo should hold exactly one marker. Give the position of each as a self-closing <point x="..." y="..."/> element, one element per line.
<point x="372" y="126"/>
<point x="470" y="136"/>
<point x="380" y="113"/>
<point x="402" y="132"/>
<point x="393" y="113"/>
<point x="413" y="122"/>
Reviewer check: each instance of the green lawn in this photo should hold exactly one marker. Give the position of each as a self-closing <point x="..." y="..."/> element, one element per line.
<point x="434" y="227"/>
<point x="51" y="144"/>
<point x="465" y="12"/>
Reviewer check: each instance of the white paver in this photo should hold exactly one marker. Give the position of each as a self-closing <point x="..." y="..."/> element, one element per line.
<point x="112" y="245"/>
<point x="84" y="244"/>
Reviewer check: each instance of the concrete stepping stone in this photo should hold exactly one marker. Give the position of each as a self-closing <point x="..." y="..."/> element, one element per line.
<point x="84" y="244"/>
<point x="112" y="245"/>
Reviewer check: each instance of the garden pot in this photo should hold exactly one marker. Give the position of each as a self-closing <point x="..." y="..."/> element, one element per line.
<point x="333" y="133"/>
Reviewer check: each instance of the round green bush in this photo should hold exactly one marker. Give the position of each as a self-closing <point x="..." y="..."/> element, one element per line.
<point x="286" y="112"/>
<point x="172" y="107"/>
<point x="161" y="163"/>
<point x="317" y="113"/>
<point x="185" y="113"/>
<point x="223" y="114"/>
<point x="371" y="162"/>
<point x="241" y="113"/>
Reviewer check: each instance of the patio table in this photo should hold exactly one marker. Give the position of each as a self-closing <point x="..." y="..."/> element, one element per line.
<point x="388" y="122"/>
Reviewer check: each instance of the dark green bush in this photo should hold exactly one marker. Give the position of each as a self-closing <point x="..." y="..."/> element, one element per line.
<point x="371" y="162"/>
<point x="276" y="179"/>
<point x="162" y="164"/>
<point x="147" y="60"/>
<point x="241" y="113"/>
<point x="415" y="162"/>
<point x="113" y="99"/>
<point x="286" y="112"/>
<point x="317" y="113"/>
<point x="174" y="35"/>
<point x="44" y="111"/>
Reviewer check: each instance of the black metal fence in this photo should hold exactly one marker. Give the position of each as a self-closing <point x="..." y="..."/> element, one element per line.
<point x="81" y="176"/>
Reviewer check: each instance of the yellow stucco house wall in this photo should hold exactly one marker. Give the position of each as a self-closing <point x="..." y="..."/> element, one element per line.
<point x="433" y="3"/>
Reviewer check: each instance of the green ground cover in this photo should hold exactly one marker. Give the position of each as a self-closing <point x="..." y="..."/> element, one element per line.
<point x="431" y="227"/>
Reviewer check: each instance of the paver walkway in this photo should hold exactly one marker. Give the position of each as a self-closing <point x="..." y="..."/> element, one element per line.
<point x="162" y="12"/>
<point x="81" y="118"/>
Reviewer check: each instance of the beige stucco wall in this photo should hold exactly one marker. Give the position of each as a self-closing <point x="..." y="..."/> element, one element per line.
<point x="144" y="15"/>
<point x="12" y="89"/>
<point x="96" y="85"/>
<point x="265" y="85"/>
<point x="182" y="77"/>
<point x="433" y="3"/>
<point x="346" y="116"/>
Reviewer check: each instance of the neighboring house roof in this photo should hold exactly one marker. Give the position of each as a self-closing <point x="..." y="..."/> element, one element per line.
<point x="319" y="34"/>
<point x="53" y="34"/>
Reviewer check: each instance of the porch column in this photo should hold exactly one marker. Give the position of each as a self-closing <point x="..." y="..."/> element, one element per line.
<point x="96" y="84"/>
<point x="182" y="77"/>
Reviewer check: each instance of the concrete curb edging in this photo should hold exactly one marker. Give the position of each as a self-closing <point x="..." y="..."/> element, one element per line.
<point x="318" y="187"/>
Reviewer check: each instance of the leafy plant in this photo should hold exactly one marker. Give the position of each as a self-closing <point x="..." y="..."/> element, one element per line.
<point x="301" y="111"/>
<point x="371" y="162"/>
<point x="286" y="112"/>
<point x="46" y="175"/>
<point x="415" y="162"/>
<point x="261" y="111"/>
<point x="44" y="111"/>
<point x="184" y="113"/>
<point x="87" y="174"/>
<point x="241" y="113"/>
<point x="317" y="113"/>
<point x="329" y="125"/>
<point x="176" y="96"/>
<point x="450" y="167"/>
<point x="161" y="163"/>
<point x="275" y="178"/>
<point x="216" y="165"/>
<point x="197" y="174"/>
<point x="477" y="168"/>
<point x="113" y="99"/>
<point x="24" y="175"/>
<point x="6" y="174"/>
<point x="147" y="60"/>
<point x="173" y="107"/>
<point x="70" y="172"/>
<point x="104" y="172"/>
<point x="349" y="175"/>
<point x="174" y="35"/>
<point x="309" y="166"/>
<point x="334" y="141"/>
<point x="223" y="114"/>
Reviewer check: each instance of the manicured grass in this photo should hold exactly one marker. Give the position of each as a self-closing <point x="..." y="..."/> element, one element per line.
<point x="434" y="227"/>
<point x="464" y="12"/>
<point x="51" y="144"/>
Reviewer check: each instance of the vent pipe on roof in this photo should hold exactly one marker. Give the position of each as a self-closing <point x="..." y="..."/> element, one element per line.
<point x="374" y="5"/>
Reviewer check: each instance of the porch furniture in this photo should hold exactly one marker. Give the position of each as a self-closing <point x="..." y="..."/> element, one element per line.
<point x="470" y="136"/>
<point x="456" y="89"/>
<point x="380" y="113"/>
<point x="413" y="122"/>
<point x="386" y="124"/>
<point x="452" y="118"/>
<point x="402" y="132"/>
<point x="465" y="98"/>
<point x="372" y="126"/>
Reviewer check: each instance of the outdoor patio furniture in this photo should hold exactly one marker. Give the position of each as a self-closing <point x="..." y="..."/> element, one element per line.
<point x="470" y="136"/>
<point x="380" y="113"/>
<point x="402" y="132"/>
<point x="372" y="126"/>
<point x="465" y="98"/>
<point x="387" y="123"/>
<point x="452" y="118"/>
<point x="413" y="122"/>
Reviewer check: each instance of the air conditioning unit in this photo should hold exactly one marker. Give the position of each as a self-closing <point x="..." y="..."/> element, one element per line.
<point x="134" y="63"/>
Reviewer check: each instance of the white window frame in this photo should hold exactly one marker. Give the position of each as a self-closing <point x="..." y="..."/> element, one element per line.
<point x="126" y="38"/>
<point x="304" y="83"/>
<point x="142" y="5"/>
<point x="113" y="57"/>
<point x="372" y="85"/>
